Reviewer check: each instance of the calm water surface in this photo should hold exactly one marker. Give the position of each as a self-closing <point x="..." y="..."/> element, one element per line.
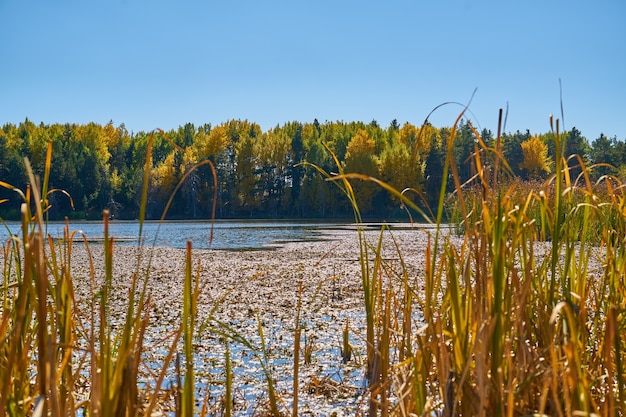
<point x="227" y="235"/>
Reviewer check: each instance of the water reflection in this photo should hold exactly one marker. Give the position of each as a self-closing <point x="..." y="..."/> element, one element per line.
<point x="227" y="235"/>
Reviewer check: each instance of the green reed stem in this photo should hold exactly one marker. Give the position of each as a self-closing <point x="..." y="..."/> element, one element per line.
<point x="188" y="332"/>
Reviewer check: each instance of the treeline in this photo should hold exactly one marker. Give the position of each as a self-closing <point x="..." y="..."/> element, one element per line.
<point x="260" y="174"/>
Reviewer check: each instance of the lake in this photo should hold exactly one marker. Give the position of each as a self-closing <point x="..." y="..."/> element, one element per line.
<point x="227" y="235"/>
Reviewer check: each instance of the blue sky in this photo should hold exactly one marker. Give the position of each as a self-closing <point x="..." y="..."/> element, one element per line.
<point x="159" y="64"/>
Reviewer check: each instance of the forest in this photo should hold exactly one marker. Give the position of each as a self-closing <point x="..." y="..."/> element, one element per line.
<point x="265" y="174"/>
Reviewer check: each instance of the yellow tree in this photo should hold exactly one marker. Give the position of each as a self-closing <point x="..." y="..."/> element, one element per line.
<point x="417" y="140"/>
<point x="246" y="174"/>
<point x="398" y="169"/>
<point x="163" y="180"/>
<point x="272" y="151"/>
<point x="211" y="144"/>
<point x="111" y="135"/>
<point x="191" y="187"/>
<point x="361" y="159"/>
<point x="37" y="139"/>
<point x="93" y="137"/>
<point x="535" y="157"/>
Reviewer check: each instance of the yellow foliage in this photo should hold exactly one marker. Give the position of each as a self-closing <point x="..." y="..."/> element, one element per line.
<point x="417" y="139"/>
<point x="116" y="180"/>
<point x="309" y="134"/>
<point x="164" y="176"/>
<point x="273" y="148"/>
<point x="398" y="169"/>
<point x="92" y="136"/>
<point x="111" y="135"/>
<point x="361" y="159"/>
<point x="360" y="145"/>
<point x="190" y="158"/>
<point x="535" y="156"/>
<point x="211" y="144"/>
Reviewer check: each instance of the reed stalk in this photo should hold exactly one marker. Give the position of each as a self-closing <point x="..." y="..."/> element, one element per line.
<point x="523" y="313"/>
<point x="261" y="353"/>
<point x="188" y="315"/>
<point x="228" y="394"/>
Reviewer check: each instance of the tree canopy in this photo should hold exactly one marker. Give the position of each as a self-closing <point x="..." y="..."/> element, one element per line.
<point x="259" y="173"/>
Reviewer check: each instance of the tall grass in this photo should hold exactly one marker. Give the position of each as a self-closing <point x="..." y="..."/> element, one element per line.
<point x="522" y="313"/>
<point x="52" y="348"/>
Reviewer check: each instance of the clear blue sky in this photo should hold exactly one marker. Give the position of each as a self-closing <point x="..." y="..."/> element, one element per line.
<point x="152" y="64"/>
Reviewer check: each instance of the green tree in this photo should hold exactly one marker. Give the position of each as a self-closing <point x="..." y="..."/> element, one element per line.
<point x="237" y="190"/>
<point x="296" y="172"/>
<point x="12" y="171"/>
<point x="609" y="151"/>
<point x="463" y="151"/>
<point x="573" y="143"/>
<point x="336" y="136"/>
<point x="186" y="135"/>
<point x="434" y="163"/>
<point x="191" y="188"/>
<point x="512" y="150"/>
<point x="576" y="144"/>
<point x="65" y="171"/>
<point x="318" y="197"/>
<point x="123" y="185"/>
<point x="79" y="167"/>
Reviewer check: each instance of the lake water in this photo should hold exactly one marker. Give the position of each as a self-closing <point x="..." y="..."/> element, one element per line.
<point x="227" y="235"/>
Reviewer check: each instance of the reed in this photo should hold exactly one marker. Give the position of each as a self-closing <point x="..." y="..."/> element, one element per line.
<point x="514" y="320"/>
<point x="188" y="319"/>
<point x="522" y="312"/>
<point x="260" y="352"/>
<point x="40" y="311"/>
<point x="517" y="332"/>
<point x="228" y="394"/>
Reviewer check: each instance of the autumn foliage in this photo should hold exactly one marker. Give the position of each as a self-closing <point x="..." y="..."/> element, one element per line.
<point x="259" y="173"/>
